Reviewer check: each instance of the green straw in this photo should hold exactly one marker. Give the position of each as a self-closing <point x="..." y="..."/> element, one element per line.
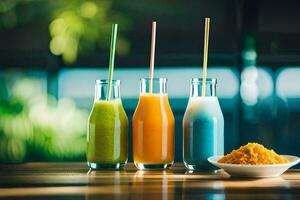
<point x="112" y="58"/>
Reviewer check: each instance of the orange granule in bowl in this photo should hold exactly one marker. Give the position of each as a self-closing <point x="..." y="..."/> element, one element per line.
<point x="253" y="154"/>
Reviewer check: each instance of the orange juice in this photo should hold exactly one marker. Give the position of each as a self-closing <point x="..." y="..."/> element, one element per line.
<point x="153" y="132"/>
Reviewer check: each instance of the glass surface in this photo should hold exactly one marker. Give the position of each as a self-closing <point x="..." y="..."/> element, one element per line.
<point x="107" y="136"/>
<point x="203" y="127"/>
<point x="153" y="127"/>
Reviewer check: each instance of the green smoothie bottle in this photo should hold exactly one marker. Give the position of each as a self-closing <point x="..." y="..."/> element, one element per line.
<point x="107" y="134"/>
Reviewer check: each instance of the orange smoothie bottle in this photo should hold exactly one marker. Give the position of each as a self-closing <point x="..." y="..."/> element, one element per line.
<point x="153" y="127"/>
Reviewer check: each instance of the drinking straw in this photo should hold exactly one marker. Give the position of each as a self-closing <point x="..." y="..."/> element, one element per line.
<point x="206" y="38"/>
<point x="152" y="55"/>
<point x="112" y="58"/>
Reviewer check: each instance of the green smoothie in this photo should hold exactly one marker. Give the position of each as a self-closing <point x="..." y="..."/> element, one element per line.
<point x="107" y="134"/>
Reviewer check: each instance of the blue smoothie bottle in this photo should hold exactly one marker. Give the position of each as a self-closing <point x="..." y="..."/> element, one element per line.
<point x="203" y="126"/>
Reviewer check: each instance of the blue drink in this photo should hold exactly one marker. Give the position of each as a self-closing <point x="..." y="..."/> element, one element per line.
<point x="203" y="127"/>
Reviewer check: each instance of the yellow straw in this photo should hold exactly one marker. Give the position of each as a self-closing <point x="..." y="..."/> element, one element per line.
<point x="206" y="38"/>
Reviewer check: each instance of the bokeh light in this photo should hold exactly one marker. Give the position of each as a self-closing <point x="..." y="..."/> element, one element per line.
<point x="44" y="128"/>
<point x="78" y="26"/>
<point x="75" y="27"/>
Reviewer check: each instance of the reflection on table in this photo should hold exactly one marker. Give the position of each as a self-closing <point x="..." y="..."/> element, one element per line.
<point x="75" y="181"/>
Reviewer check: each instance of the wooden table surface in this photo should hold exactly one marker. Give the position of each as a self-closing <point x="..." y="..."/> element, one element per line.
<point x="75" y="181"/>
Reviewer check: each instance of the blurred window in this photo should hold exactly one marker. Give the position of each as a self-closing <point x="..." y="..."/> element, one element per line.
<point x="288" y="81"/>
<point x="79" y="83"/>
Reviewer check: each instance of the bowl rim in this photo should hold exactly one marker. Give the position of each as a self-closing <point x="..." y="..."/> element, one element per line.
<point x="295" y="160"/>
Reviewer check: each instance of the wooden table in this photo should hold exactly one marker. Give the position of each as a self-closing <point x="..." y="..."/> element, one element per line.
<point x="74" y="181"/>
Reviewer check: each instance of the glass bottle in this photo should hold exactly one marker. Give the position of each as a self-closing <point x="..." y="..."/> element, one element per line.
<point x="153" y="126"/>
<point x="203" y="126"/>
<point x="107" y="134"/>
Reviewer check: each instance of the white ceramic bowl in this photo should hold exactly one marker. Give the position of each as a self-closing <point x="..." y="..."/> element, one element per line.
<point x="255" y="171"/>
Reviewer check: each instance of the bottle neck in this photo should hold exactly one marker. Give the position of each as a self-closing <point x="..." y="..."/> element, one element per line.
<point x="196" y="87"/>
<point x="102" y="90"/>
<point x="154" y="86"/>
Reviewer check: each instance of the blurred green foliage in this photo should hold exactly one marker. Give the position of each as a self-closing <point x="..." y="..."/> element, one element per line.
<point x="75" y="26"/>
<point x="35" y="126"/>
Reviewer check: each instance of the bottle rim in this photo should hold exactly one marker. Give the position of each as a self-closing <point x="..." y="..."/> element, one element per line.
<point x="155" y="79"/>
<point x="105" y="82"/>
<point x="200" y="80"/>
